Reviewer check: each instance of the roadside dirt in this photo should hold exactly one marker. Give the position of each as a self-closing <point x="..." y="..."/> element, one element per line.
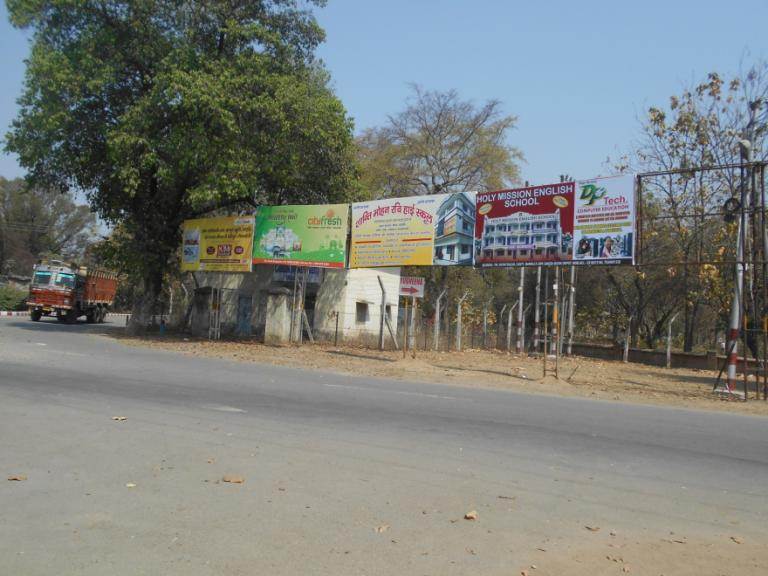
<point x="586" y="377"/>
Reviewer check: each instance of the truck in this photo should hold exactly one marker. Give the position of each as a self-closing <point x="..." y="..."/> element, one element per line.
<point x="69" y="291"/>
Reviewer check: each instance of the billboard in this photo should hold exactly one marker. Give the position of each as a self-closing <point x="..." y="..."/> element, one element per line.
<point x="604" y="224"/>
<point x="414" y="231"/>
<point x="301" y="235"/>
<point x="584" y="222"/>
<point x="221" y="244"/>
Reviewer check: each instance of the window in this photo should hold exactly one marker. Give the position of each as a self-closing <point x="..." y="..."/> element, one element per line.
<point x="361" y="312"/>
<point x="65" y="280"/>
<point x="464" y="249"/>
<point x="466" y="226"/>
<point x="42" y="278"/>
<point x="450" y="252"/>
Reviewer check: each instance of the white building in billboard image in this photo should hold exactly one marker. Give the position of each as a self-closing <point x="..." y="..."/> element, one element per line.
<point x="455" y="230"/>
<point x="524" y="237"/>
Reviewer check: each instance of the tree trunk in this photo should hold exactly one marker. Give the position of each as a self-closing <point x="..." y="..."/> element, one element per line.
<point x="145" y="304"/>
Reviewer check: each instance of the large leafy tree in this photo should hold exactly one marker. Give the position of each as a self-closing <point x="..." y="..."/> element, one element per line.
<point x="439" y="143"/>
<point x="161" y="110"/>
<point x="37" y="223"/>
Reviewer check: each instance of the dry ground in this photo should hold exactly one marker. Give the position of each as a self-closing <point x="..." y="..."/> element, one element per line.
<point x="579" y="376"/>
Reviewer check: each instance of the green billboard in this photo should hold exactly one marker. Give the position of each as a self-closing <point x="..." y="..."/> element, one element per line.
<point x="314" y="235"/>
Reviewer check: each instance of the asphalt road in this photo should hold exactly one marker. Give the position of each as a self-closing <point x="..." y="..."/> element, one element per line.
<point x="352" y="475"/>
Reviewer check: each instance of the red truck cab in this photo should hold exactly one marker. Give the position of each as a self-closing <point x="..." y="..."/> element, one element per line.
<point x="70" y="292"/>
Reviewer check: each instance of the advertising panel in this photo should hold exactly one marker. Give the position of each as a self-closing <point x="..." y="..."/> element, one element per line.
<point x="412" y="286"/>
<point x="604" y="228"/>
<point x="584" y="222"/>
<point x="414" y="231"/>
<point x="217" y="244"/>
<point x="532" y="225"/>
<point x="301" y="235"/>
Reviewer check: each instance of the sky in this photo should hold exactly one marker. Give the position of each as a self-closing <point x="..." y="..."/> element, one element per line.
<point x="577" y="75"/>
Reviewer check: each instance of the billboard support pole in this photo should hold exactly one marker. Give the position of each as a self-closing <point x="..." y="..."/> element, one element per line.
<point x="571" y="310"/>
<point x="555" y="312"/>
<point x="537" y="312"/>
<point x="436" y="343"/>
<point x="520" y="314"/>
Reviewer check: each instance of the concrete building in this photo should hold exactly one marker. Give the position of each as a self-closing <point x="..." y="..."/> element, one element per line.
<point x="354" y="295"/>
<point x="455" y="230"/>
<point x="523" y="236"/>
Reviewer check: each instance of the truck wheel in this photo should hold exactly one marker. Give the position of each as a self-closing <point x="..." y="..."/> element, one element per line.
<point x="102" y="315"/>
<point x="92" y="316"/>
<point x="71" y="317"/>
<point x="36" y="315"/>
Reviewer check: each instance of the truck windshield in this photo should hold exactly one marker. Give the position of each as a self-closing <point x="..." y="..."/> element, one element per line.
<point x="65" y="280"/>
<point x="42" y="278"/>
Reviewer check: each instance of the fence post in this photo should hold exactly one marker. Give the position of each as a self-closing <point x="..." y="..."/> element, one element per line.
<point x="500" y="324"/>
<point x="436" y="343"/>
<point x="626" y="340"/>
<point x="669" y="341"/>
<point x="458" y="320"/>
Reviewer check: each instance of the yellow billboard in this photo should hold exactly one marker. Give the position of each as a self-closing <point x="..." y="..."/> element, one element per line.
<point x="394" y="232"/>
<point x="221" y="244"/>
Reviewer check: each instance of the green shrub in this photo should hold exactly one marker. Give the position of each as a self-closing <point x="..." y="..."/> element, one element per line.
<point x="12" y="298"/>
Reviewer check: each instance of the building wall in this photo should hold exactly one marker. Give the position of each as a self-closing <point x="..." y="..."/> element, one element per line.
<point x="356" y="296"/>
<point x="339" y="291"/>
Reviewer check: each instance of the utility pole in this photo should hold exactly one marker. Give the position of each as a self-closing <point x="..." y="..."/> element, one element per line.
<point x="738" y="289"/>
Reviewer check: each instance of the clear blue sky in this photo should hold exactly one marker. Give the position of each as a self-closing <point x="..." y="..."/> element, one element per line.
<point x="576" y="74"/>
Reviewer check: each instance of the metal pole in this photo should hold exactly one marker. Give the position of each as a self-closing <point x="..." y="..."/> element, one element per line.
<point x="458" y="320"/>
<point x="414" y="308"/>
<point x="555" y="311"/>
<point x="500" y="324"/>
<point x="571" y="310"/>
<point x="738" y="288"/>
<point x="669" y="340"/>
<point x="405" y="329"/>
<point x="509" y="327"/>
<point x="383" y="313"/>
<point x="336" y="334"/>
<point x="520" y="316"/>
<point x="436" y="343"/>
<point x="536" y="311"/>
<point x="626" y="340"/>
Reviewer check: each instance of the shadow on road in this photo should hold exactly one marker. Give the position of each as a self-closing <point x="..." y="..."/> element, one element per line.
<point x="366" y="356"/>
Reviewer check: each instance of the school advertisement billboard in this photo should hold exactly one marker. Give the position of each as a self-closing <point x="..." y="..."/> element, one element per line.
<point x="217" y="244"/>
<point x="301" y="235"/>
<point x="583" y="222"/>
<point x="415" y="231"/>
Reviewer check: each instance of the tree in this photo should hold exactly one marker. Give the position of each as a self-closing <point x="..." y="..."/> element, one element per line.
<point x="162" y="110"/>
<point x="37" y="223"/>
<point x="439" y="144"/>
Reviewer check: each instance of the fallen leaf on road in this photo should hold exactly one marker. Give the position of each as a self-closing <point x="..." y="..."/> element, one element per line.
<point x="472" y="515"/>
<point x="625" y="568"/>
<point x="119" y="418"/>
<point x="523" y="572"/>
<point x="383" y="528"/>
<point x="471" y="551"/>
<point x="593" y="528"/>
<point x="211" y="460"/>
<point x="737" y="540"/>
<point x="507" y="497"/>
<point x="130" y="485"/>
<point x="17" y="478"/>
<point x="233" y="479"/>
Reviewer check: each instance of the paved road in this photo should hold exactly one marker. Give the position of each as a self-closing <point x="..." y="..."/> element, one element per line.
<point x="352" y="475"/>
